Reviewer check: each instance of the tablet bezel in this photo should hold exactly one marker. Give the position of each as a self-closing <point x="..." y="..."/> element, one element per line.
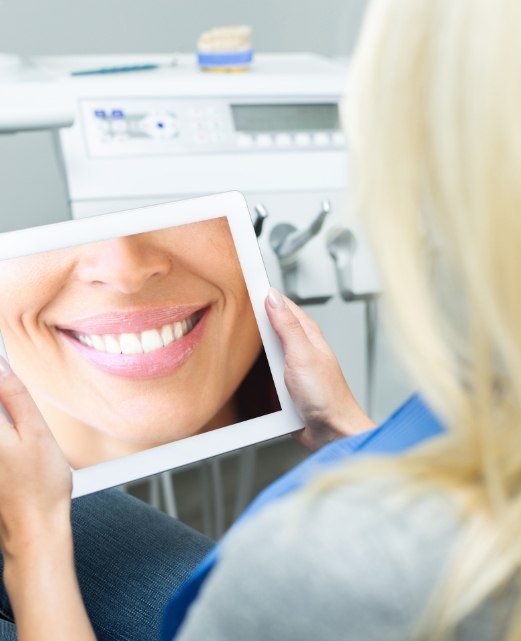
<point x="231" y="205"/>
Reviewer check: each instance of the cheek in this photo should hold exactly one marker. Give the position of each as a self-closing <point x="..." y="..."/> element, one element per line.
<point x="20" y="316"/>
<point x="12" y="281"/>
<point x="16" y="302"/>
<point x="245" y="340"/>
<point x="226" y="275"/>
<point x="23" y="302"/>
<point x="26" y="287"/>
<point x="34" y="281"/>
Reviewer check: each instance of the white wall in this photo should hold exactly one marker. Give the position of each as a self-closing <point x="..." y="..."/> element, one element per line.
<point x="65" y="26"/>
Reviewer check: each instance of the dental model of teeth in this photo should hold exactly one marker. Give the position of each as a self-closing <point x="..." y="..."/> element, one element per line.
<point x="225" y="49"/>
<point x="228" y="38"/>
<point x="138" y="343"/>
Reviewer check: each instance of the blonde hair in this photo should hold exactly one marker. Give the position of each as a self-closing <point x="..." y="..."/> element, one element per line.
<point x="433" y="114"/>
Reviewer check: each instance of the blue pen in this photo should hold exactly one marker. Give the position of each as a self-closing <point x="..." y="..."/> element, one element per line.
<point x="109" y="70"/>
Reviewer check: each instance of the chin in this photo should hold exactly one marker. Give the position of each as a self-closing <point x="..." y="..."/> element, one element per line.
<point x="142" y="434"/>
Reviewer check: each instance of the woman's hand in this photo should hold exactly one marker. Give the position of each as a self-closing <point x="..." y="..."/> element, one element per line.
<point x="35" y="479"/>
<point x="313" y="377"/>
<point x="35" y="529"/>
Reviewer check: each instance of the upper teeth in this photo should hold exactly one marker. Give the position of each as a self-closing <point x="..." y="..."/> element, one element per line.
<point x="137" y="343"/>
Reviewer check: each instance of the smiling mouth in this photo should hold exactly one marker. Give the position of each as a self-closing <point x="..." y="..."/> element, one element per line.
<point x="155" y="347"/>
<point x="143" y="342"/>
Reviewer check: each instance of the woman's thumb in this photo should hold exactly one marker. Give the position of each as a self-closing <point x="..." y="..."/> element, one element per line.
<point x="286" y="325"/>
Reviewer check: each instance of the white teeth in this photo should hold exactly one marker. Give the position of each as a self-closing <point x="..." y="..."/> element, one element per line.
<point x="98" y="343"/>
<point x="178" y="331"/>
<point x="151" y="340"/>
<point x="130" y="344"/>
<point x="167" y="334"/>
<point x="147" y="341"/>
<point x="112" y="344"/>
<point x="84" y="339"/>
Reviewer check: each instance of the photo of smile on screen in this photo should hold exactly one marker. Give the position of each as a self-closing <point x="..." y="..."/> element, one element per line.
<point x="145" y="339"/>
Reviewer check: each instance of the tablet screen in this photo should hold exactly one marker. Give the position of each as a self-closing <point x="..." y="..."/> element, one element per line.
<point x="137" y="341"/>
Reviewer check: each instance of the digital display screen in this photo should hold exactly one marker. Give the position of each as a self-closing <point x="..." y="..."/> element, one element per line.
<point x="149" y="360"/>
<point x="299" y="117"/>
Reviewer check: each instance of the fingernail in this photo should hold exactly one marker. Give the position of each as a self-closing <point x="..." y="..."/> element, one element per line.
<point x="5" y="369"/>
<point x="275" y="300"/>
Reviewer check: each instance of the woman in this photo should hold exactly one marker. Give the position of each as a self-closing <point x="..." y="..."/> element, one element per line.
<point x="422" y="546"/>
<point x="143" y="324"/>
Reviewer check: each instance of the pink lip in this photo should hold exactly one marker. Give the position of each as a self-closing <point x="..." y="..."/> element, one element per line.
<point x="153" y="364"/>
<point x="131" y="321"/>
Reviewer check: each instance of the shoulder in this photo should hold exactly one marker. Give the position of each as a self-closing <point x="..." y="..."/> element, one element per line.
<point x="350" y="563"/>
<point x="366" y="536"/>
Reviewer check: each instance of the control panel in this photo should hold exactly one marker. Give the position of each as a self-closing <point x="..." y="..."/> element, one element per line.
<point x="162" y="126"/>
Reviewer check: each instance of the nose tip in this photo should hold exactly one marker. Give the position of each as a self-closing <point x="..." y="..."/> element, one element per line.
<point x="124" y="264"/>
<point x="132" y="283"/>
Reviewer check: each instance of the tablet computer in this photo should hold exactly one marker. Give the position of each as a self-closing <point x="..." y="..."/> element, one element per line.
<point x="142" y="337"/>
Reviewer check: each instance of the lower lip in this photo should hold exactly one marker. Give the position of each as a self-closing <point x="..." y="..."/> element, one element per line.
<point x="159" y="362"/>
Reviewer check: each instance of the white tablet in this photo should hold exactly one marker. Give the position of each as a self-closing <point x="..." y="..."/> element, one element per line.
<point x="142" y="336"/>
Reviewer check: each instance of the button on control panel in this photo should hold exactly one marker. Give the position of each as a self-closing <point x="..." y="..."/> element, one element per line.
<point x="158" y="126"/>
<point x="263" y="140"/>
<point x="244" y="140"/>
<point x="283" y="140"/>
<point x="321" y="139"/>
<point x="302" y="139"/>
